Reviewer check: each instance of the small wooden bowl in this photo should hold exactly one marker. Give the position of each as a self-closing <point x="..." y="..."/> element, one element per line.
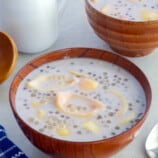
<point x="68" y="149"/>
<point x="128" y="38"/>
<point x="8" y="56"/>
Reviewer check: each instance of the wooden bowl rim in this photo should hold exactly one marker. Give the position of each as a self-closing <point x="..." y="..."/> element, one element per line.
<point x="89" y="50"/>
<point x="120" y="20"/>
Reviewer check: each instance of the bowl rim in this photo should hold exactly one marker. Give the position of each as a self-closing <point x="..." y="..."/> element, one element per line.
<point x="119" y="20"/>
<point x="89" y="50"/>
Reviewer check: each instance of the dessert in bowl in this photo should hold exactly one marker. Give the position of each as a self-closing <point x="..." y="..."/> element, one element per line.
<point x="128" y="26"/>
<point x="80" y="102"/>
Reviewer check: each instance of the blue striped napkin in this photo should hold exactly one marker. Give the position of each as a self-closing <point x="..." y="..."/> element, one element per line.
<point x="7" y="148"/>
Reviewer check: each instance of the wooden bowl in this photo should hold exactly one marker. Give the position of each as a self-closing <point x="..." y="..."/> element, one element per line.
<point x="128" y="38"/>
<point x="70" y="149"/>
<point x="8" y="56"/>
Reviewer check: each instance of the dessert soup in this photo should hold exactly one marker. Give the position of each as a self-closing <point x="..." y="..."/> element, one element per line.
<point x="131" y="10"/>
<point x="80" y="99"/>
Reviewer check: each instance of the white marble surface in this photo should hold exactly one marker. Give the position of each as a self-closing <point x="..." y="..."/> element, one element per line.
<point x="76" y="32"/>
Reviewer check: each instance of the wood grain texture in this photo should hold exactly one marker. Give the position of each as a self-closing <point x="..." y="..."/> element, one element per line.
<point x="127" y="38"/>
<point x="67" y="149"/>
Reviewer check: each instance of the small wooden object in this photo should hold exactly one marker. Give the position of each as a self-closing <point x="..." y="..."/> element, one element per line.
<point x="8" y="56"/>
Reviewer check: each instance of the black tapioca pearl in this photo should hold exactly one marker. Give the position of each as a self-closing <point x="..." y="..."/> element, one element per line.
<point x="41" y="130"/>
<point x="111" y="114"/>
<point x="137" y="120"/>
<point x="58" y="70"/>
<point x="51" y="112"/>
<point x="99" y="117"/>
<point x="33" y="95"/>
<point x="62" y="116"/>
<point x="117" y="127"/>
<point x="24" y="88"/>
<point x="125" y="5"/>
<point x="105" y="87"/>
<point x="75" y="126"/>
<point x="130" y="109"/>
<point x="139" y="115"/>
<point x="72" y="63"/>
<point x="104" y="137"/>
<point x="81" y="70"/>
<point x="30" y="91"/>
<point x="130" y="104"/>
<point x="113" y="133"/>
<point x="41" y="70"/>
<point x="94" y="75"/>
<point x="67" y="117"/>
<point x="101" y="82"/>
<point x="25" y="104"/>
<point x="57" y="112"/>
<point x="119" y="1"/>
<point x="113" y="84"/>
<point x="79" y="132"/>
<point x="116" y="110"/>
<point x="144" y="5"/>
<point x="108" y="121"/>
<point x="132" y="121"/>
<point x="127" y="128"/>
<point x="143" y="105"/>
<point x="89" y="73"/>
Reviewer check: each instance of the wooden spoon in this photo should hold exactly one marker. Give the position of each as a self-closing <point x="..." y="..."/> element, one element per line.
<point x="8" y="56"/>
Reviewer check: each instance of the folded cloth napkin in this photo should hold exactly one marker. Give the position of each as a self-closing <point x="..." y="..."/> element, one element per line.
<point x="7" y="148"/>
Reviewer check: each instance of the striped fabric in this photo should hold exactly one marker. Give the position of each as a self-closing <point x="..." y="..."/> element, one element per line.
<point x="7" y="148"/>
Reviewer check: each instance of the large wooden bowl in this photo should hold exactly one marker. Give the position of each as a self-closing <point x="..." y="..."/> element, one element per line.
<point x="67" y="149"/>
<point x="129" y="38"/>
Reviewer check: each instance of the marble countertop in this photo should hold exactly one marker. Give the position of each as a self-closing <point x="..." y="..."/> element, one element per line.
<point x="75" y="31"/>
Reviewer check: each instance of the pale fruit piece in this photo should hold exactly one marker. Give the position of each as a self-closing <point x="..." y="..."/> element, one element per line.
<point x="35" y="103"/>
<point x="41" y="113"/>
<point x="51" y="82"/>
<point x="78" y="74"/>
<point x="88" y="84"/>
<point x="85" y="82"/>
<point x="127" y="119"/>
<point x="105" y="9"/>
<point x="148" y="15"/>
<point x="91" y="126"/>
<point x="42" y="101"/>
<point x="76" y="105"/>
<point x="63" y="131"/>
<point x="124" y="105"/>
